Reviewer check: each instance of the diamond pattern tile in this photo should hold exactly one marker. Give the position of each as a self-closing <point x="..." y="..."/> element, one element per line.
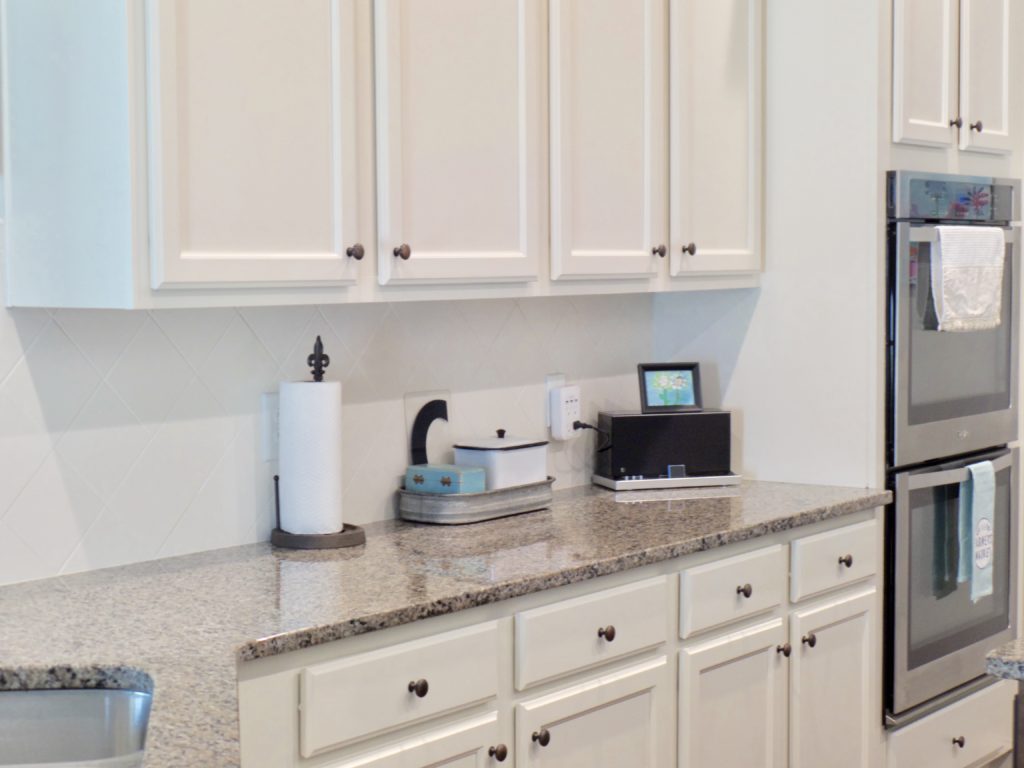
<point x="150" y="375"/>
<point x="131" y="435"/>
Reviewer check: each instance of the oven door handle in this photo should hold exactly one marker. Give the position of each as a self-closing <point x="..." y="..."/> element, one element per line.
<point x="931" y="234"/>
<point x="952" y="476"/>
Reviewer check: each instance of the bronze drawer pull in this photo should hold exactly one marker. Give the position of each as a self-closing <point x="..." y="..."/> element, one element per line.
<point x="746" y="590"/>
<point x="403" y="252"/>
<point x="810" y="640"/>
<point x="542" y="737"/>
<point x="356" y="252"/>
<point x="785" y="649"/>
<point x="846" y="560"/>
<point x="608" y="633"/>
<point x="419" y="687"/>
<point x="499" y="753"/>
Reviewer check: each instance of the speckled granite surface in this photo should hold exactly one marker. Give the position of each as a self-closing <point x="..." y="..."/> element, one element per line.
<point x="180" y="625"/>
<point x="1007" y="661"/>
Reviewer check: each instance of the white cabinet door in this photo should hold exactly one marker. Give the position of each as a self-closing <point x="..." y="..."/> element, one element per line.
<point x="459" y="140"/>
<point x="608" y="71"/>
<point x="475" y="743"/>
<point x="618" y="719"/>
<point x="985" y="75"/>
<point x="252" y="142"/>
<point x="715" y="135"/>
<point x="924" y="72"/>
<point x="832" y="668"/>
<point x="732" y="700"/>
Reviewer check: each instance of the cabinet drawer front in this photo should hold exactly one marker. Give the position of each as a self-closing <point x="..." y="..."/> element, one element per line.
<point x="558" y="639"/>
<point x="363" y="695"/>
<point x="984" y="720"/>
<point x="834" y="559"/>
<point x="717" y="593"/>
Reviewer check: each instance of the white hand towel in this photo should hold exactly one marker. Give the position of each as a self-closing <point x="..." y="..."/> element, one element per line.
<point x="967" y="277"/>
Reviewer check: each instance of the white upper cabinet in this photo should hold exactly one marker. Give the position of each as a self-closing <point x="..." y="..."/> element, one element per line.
<point x="924" y="72"/>
<point x="951" y="74"/>
<point x="985" y="75"/>
<point x="715" y="135"/>
<point x="608" y="154"/>
<point x="459" y="140"/>
<point x="252" y="141"/>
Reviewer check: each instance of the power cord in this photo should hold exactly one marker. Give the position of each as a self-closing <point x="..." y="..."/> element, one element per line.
<point x="583" y="425"/>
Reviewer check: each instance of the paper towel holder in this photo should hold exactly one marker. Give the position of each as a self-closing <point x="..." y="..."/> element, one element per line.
<point x="349" y="536"/>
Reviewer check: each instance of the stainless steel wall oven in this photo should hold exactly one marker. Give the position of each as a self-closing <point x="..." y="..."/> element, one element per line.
<point x="951" y="402"/>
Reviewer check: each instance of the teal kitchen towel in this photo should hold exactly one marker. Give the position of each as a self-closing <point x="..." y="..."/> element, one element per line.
<point x="977" y="505"/>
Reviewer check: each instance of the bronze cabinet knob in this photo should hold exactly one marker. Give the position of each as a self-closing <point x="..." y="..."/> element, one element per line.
<point x="785" y="649"/>
<point x="746" y="590"/>
<point x="958" y="123"/>
<point x="846" y="560"/>
<point x="810" y="640"/>
<point x="403" y="252"/>
<point x="499" y="752"/>
<point x="608" y="633"/>
<point x="356" y="252"/>
<point x="977" y="126"/>
<point x="542" y="737"/>
<point x="960" y="741"/>
<point x="690" y="248"/>
<point x="660" y="250"/>
<point x="419" y="687"/>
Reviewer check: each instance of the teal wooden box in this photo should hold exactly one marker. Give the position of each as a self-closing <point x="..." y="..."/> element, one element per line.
<point x="445" y="478"/>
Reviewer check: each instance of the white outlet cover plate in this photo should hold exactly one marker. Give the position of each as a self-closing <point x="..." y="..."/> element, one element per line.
<point x="269" y="427"/>
<point x="551" y="382"/>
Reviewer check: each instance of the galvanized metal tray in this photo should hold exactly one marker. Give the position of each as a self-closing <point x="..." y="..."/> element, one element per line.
<point x="462" y="508"/>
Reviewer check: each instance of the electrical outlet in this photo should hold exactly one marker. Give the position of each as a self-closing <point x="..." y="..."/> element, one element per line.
<point x="551" y="382"/>
<point x="270" y="426"/>
<point x="565" y="411"/>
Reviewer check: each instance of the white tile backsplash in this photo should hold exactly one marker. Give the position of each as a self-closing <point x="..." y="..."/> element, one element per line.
<point x="126" y="436"/>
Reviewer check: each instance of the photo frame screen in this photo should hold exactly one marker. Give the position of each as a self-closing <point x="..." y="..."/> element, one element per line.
<point x="670" y="387"/>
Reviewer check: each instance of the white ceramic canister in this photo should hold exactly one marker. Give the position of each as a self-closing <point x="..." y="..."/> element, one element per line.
<point x="508" y="461"/>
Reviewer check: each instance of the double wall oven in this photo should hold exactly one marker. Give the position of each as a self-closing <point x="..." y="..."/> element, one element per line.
<point x="951" y="402"/>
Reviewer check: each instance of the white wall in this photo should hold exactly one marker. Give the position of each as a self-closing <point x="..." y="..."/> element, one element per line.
<point x="126" y="436"/>
<point x="798" y="359"/>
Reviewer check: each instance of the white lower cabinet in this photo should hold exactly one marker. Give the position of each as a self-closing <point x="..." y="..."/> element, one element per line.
<point x="969" y="733"/>
<point x="833" y="668"/>
<point x="732" y="700"/>
<point x="618" y="719"/>
<point x="472" y="744"/>
<point x="585" y="676"/>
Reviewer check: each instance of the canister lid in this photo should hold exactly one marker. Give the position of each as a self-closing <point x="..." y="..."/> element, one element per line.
<point x="500" y="443"/>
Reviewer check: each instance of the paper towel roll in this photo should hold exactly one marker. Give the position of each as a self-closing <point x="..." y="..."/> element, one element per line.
<point x="310" y="456"/>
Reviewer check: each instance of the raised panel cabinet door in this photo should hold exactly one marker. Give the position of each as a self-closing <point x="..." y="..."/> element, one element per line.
<point x="459" y="140"/>
<point x="716" y="85"/>
<point x="924" y="72"/>
<point x="608" y="114"/>
<point x="833" y="699"/>
<point x="618" y="719"/>
<point x="732" y="700"/>
<point x="985" y="79"/>
<point x="476" y="743"/>
<point x="252" y="142"/>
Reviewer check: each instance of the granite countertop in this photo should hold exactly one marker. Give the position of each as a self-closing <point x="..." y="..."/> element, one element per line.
<point x="1007" y="661"/>
<point x="181" y="625"/>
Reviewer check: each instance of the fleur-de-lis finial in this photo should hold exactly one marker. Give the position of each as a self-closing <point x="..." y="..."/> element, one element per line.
<point x="318" y="360"/>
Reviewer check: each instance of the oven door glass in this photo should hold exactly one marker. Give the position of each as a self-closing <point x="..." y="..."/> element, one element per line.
<point x="955" y="392"/>
<point x="942" y="635"/>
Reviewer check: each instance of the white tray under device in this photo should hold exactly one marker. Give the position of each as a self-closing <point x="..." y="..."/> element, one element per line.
<point x="461" y="508"/>
<point x="655" y="483"/>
